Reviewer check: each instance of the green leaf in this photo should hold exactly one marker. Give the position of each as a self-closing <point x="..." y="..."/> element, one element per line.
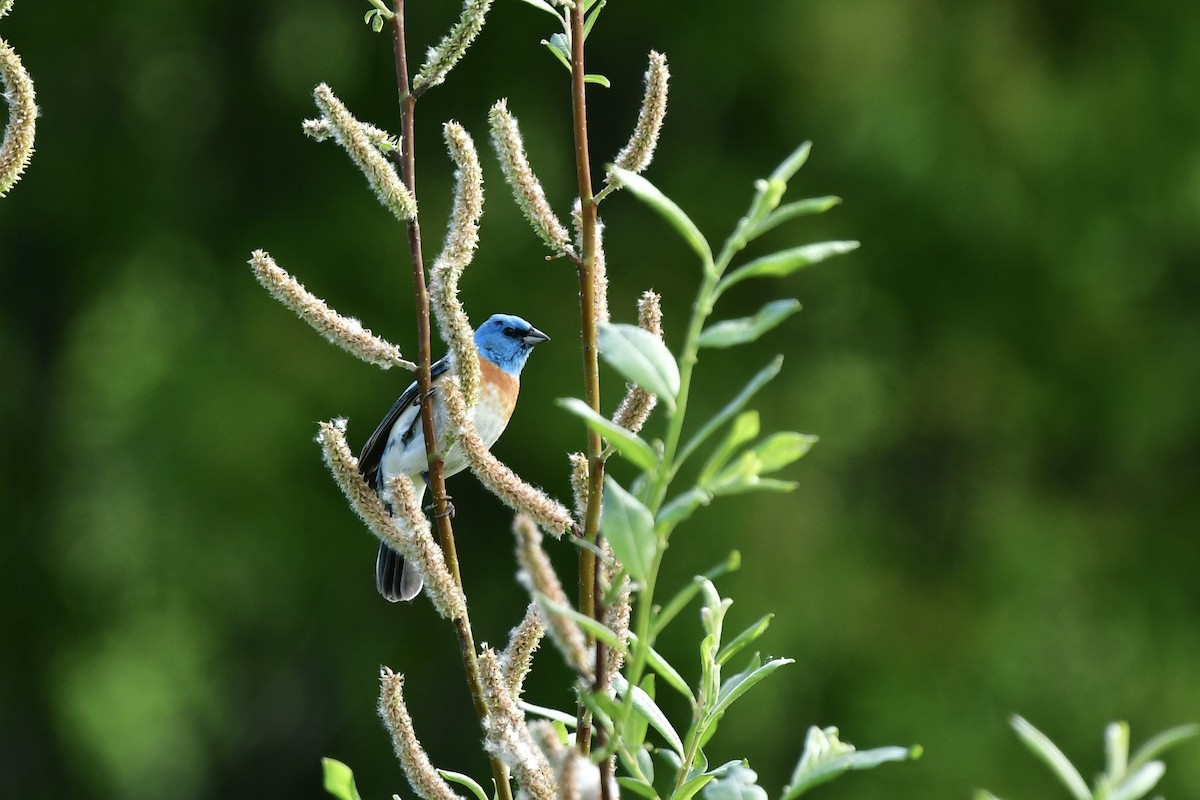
<point x="744" y="428"/>
<point x="780" y="449"/>
<point x="692" y="785"/>
<point x="1047" y="751"/>
<point x="800" y="208"/>
<point x="339" y="779"/>
<point x="629" y="528"/>
<point x="744" y="681"/>
<point x="590" y="625"/>
<point x="638" y="787"/>
<point x="792" y="164"/>
<point x="1116" y="750"/>
<point x="785" y="262"/>
<point x="825" y="758"/>
<point x="552" y="714"/>
<point x="593" y="15"/>
<point x="669" y="674"/>
<point x="1161" y="743"/>
<point x="738" y="782"/>
<point x="649" y="194"/>
<point x="1139" y="782"/>
<point x="733" y="332"/>
<point x="600" y="79"/>
<point x="543" y="6"/>
<point x="633" y="733"/>
<point x="628" y="444"/>
<point x="644" y="705"/>
<point x="744" y="638"/>
<point x="760" y="379"/>
<point x="680" y="507"/>
<point x="558" y="46"/>
<point x="464" y="780"/>
<point x="641" y="358"/>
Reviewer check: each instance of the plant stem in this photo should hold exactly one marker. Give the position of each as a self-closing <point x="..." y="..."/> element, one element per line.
<point x="435" y="478"/>
<point x="588" y="574"/>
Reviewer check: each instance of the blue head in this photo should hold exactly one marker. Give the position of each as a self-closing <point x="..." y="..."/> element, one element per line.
<point x="506" y="341"/>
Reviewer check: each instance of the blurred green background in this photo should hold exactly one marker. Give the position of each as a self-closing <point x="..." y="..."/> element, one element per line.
<point x="1002" y="514"/>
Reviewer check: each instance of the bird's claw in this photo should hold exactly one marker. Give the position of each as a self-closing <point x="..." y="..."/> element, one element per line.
<point x="449" y="512"/>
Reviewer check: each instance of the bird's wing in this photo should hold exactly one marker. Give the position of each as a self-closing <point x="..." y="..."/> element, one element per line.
<point x="372" y="451"/>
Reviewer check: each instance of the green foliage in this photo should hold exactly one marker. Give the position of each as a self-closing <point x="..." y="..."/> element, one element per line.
<point x="339" y="779"/>
<point x="1124" y="778"/>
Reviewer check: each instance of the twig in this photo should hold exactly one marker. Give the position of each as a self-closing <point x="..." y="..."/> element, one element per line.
<point x="436" y="476"/>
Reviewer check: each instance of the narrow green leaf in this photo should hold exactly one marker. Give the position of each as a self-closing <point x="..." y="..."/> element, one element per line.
<point x="744" y="638"/>
<point x="645" y="764"/>
<point x="1116" y="750"/>
<point x="644" y="705"/>
<point x="633" y="732"/>
<point x="733" y="332"/>
<point x="649" y="194"/>
<point x="763" y="485"/>
<point x="800" y="208"/>
<point x="629" y="528"/>
<point x="552" y="714"/>
<point x="792" y="164"/>
<point x="1164" y="741"/>
<point x="639" y="788"/>
<point x="760" y="379"/>
<point x="593" y="15"/>
<point x="464" y="780"/>
<point x="557" y="45"/>
<point x="339" y="779"/>
<point x="668" y="673"/>
<point x="1140" y="781"/>
<point x="738" y="782"/>
<point x="1047" y="751"/>
<point x="630" y="445"/>
<point x="542" y="5"/>
<point x="780" y="449"/>
<point x="641" y="358"/>
<point x="744" y="428"/>
<point x="984" y="794"/>
<point x="743" y="682"/>
<point x="592" y="626"/>
<point x="598" y="79"/>
<point x="692" y="785"/>
<point x="680" y="507"/>
<point x="826" y="757"/>
<point x="785" y="262"/>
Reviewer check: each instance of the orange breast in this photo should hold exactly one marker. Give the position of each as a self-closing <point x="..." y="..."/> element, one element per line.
<point x="501" y="386"/>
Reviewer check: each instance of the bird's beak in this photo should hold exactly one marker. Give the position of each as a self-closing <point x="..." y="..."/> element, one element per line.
<point x="534" y="337"/>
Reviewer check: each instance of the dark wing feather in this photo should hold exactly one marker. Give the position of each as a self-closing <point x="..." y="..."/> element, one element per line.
<point x="372" y="451"/>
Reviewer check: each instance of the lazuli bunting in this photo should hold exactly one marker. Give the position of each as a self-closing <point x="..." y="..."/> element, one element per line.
<point x="397" y="446"/>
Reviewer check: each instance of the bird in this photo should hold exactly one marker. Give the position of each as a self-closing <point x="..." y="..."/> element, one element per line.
<point x="397" y="447"/>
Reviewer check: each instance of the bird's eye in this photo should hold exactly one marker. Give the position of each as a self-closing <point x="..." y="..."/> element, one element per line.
<point x="509" y="332"/>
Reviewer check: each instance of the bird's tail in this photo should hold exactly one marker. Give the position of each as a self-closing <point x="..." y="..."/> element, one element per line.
<point x="395" y="578"/>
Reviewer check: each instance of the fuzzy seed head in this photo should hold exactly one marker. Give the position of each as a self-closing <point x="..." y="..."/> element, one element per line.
<point x="417" y="767"/>
<point x="498" y="478"/>
<point x="538" y="576"/>
<point x="635" y="156"/>
<point x="462" y="238"/>
<point x="526" y="188"/>
<point x="353" y="136"/>
<point x="17" y="147"/>
<point x="345" y="332"/>
<point x="442" y="57"/>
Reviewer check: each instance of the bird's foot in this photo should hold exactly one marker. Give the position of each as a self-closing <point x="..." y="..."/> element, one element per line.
<point x="449" y="512"/>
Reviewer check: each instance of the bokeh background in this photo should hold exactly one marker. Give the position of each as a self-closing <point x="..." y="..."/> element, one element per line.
<point x="1002" y="514"/>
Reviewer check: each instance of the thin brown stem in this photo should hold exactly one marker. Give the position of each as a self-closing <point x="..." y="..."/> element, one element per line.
<point x="588" y="574"/>
<point x="435" y="478"/>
